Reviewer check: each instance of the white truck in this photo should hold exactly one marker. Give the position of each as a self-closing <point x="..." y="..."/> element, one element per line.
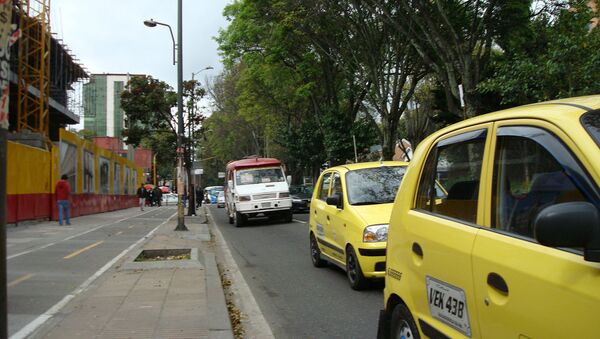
<point x="256" y="187"/>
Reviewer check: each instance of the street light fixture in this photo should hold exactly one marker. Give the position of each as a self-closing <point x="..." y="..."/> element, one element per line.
<point x="180" y="129"/>
<point x="152" y="23"/>
<point x="191" y="115"/>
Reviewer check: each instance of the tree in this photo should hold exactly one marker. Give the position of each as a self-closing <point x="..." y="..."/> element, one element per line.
<point x="557" y="61"/>
<point x="456" y="39"/>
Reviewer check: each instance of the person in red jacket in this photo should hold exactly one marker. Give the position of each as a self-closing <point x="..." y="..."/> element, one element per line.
<point x="63" y="195"/>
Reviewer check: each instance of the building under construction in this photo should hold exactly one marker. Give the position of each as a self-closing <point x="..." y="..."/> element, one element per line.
<point x="43" y="76"/>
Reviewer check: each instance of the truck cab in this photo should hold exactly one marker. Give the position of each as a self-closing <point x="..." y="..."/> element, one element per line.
<point x="257" y="187"/>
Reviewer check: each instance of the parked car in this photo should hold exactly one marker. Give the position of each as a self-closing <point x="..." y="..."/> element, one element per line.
<point x="169" y="198"/>
<point x="212" y="192"/>
<point x="301" y="196"/>
<point x="221" y="200"/>
<point x="350" y="212"/>
<point x="513" y="250"/>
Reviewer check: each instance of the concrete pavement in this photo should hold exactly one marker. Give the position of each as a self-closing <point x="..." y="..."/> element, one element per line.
<point x="150" y="299"/>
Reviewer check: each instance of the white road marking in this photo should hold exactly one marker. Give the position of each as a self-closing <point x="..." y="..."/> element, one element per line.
<point x="40" y="320"/>
<point x="300" y="221"/>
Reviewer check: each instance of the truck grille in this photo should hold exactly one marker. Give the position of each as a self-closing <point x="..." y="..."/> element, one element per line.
<point x="264" y="196"/>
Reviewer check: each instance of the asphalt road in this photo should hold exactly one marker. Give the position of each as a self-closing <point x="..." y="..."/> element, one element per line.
<point x="47" y="262"/>
<point x="297" y="299"/>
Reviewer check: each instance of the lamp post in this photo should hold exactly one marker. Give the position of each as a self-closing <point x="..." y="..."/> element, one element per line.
<point x="177" y="47"/>
<point x="191" y="184"/>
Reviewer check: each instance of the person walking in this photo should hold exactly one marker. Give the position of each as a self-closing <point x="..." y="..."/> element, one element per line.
<point x="63" y="196"/>
<point x="157" y="196"/>
<point x="141" y="193"/>
<point x="199" y="196"/>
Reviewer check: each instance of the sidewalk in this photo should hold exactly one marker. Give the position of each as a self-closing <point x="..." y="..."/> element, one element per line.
<point x="158" y="299"/>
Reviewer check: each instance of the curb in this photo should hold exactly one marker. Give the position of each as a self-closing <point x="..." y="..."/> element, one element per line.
<point x="254" y="323"/>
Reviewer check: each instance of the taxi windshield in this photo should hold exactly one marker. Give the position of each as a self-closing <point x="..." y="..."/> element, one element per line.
<point x="591" y="123"/>
<point x="259" y="176"/>
<point x="377" y="185"/>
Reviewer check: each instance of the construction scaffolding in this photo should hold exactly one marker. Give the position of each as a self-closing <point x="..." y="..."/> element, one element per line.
<point x="34" y="66"/>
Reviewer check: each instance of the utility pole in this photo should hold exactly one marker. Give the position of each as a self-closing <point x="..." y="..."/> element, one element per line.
<point x="180" y="129"/>
<point x="5" y="32"/>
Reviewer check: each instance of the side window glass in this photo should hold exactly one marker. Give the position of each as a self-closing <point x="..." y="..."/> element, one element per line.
<point x="450" y="182"/>
<point x="324" y="186"/>
<point x="336" y="188"/>
<point x="527" y="178"/>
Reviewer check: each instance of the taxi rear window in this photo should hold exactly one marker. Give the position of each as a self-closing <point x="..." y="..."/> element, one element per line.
<point x="591" y="123"/>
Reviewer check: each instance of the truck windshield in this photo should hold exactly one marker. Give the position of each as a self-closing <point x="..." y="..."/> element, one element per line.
<point x="371" y="186"/>
<point x="259" y="176"/>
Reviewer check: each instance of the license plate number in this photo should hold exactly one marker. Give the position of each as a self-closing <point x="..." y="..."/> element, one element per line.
<point x="448" y="304"/>
<point x="265" y="205"/>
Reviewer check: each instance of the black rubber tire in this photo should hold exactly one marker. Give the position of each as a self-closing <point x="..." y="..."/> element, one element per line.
<point x="354" y="272"/>
<point x="230" y="220"/>
<point x="315" y="253"/>
<point x="239" y="219"/>
<point x="402" y="324"/>
<point x="289" y="215"/>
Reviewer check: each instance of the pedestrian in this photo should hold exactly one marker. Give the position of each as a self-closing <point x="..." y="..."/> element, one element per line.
<point x="63" y="197"/>
<point x="149" y="196"/>
<point x="157" y="196"/>
<point x="199" y="196"/>
<point x="141" y="193"/>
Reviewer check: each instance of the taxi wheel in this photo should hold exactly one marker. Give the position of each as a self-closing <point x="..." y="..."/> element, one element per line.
<point x="315" y="253"/>
<point x="402" y="324"/>
<point x="353" y="271"/>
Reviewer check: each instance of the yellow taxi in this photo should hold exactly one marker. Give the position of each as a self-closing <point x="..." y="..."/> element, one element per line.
<point x="349" y="214"/>
<point x="513" y="250"/>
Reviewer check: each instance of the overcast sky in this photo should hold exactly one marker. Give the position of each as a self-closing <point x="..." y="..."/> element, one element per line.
<point x="108" y="36"/>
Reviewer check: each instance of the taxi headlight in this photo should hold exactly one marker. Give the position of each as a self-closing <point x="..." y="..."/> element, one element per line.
<point x="375" y="233"/>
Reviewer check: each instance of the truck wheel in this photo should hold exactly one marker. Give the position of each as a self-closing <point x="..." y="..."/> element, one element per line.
<point x="239" y="219"/>
<point x="289" y="216"/>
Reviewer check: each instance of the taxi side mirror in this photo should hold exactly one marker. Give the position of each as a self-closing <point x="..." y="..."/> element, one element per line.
<point x="335" y="200"/>
<point x="570" y="224"/>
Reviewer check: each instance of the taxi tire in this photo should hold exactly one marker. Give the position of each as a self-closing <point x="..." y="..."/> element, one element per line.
<point x="315" y="253"/>
<point x="353" y="271"/>
<point x="402" y="323"/>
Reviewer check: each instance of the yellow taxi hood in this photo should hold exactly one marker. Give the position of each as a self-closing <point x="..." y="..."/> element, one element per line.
<point x="374" y="214"/>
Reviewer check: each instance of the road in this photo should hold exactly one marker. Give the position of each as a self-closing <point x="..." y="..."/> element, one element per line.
<point x="47" y="263"/>
<point x="297" y="299"/>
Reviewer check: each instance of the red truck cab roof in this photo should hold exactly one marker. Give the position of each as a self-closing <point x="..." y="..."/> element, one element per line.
<point x="252" y="163"/>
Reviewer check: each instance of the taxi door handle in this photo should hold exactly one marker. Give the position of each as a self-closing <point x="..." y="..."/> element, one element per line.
<point x="497" y="282"/>
<point x="416" y="248"/>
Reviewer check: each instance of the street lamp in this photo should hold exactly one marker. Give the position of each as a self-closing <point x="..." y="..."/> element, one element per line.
<point x="191" y="115"/>
<point x="152" y="23"/>
<point x="180" y="129"/>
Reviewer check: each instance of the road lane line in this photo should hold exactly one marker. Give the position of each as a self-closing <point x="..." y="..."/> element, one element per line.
<point x="119" y="233"/>
<point x="78" y="252"/>
<point x="20" y="280"/>
<point x="40" y="320"/>
<point x="300" y="221"/>
<point x="73" y="236"/>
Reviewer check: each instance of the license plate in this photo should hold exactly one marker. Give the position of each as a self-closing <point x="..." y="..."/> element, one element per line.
<point x="448" y="304"/>
<point x="265" y="205"/>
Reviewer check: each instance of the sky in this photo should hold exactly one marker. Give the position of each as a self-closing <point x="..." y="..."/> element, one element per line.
<point x="109" y="36"/>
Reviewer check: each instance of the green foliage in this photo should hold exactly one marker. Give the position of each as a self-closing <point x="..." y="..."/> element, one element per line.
<point x="561" y="65"/>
